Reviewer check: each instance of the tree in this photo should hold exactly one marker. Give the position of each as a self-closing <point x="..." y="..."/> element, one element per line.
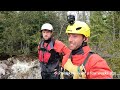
<point x="20" y="30"/>
<point x="105" y="29"/>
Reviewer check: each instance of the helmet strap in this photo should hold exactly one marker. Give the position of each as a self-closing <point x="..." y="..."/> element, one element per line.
<point x="84" y="44"/>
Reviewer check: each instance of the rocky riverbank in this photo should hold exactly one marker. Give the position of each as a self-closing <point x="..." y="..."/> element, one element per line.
<point x="20" y="68"/>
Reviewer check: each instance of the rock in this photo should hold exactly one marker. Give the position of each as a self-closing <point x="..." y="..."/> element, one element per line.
<point x="2" y="71"/>
<point x="4" y="66"/>
<point x="20" y="68"/>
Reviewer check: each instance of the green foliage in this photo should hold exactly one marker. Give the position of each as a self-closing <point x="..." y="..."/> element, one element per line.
<point x="105" y="36"/>
<point x="19" y="31"/>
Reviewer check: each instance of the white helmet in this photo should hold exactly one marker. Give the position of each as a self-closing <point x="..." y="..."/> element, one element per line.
<point x="47" y="26"/>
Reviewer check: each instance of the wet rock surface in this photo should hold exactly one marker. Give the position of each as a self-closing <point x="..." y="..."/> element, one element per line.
<point x="20" y="68"/>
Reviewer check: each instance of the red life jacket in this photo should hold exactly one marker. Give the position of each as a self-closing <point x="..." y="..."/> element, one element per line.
<point x="48" y="57"/>
<point x="45" y="52"/>
<point x="48" y="54"/>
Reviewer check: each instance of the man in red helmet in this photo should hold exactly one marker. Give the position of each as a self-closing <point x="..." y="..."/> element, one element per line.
<point x="50" y="53"/>
<point x="81" y="63"/>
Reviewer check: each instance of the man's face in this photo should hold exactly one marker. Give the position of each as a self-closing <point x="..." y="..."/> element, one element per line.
<point x="75" y="41"/>
<point x="46" y="34"/>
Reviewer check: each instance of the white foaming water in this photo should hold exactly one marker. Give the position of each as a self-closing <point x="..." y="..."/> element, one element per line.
<point x="22" y="67"/>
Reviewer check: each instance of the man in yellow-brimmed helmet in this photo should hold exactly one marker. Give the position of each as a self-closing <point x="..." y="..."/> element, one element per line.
<point x="81" y="63"/>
